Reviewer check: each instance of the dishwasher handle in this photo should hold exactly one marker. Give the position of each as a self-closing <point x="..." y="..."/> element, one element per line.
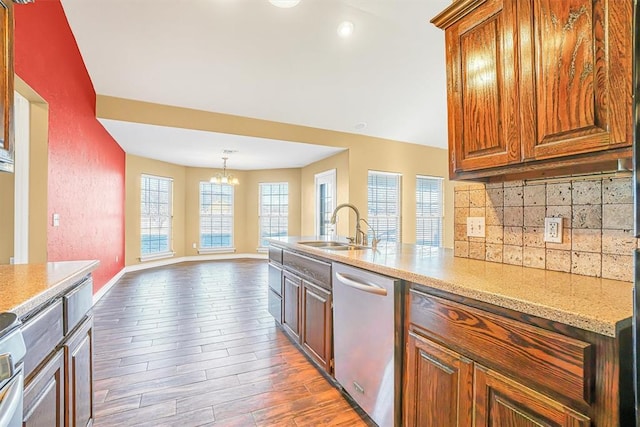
<point x="371" y="288"/>
<point x="11" y="401"/>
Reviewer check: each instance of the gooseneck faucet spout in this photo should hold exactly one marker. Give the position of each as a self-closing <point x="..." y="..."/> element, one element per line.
<point x="360" y="235"/>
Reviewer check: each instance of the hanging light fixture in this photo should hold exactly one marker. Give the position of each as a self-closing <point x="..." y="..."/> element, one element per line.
<point x="284" y="4"/>
<point x="224" y="178"/>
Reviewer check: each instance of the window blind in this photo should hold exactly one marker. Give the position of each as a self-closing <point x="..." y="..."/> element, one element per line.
<point x="273" y="211"/>
<point x="155" y="215"/>
<point x="383" y="201"/>
<point x="216" y="216"/>
<point x="429" y="211"/>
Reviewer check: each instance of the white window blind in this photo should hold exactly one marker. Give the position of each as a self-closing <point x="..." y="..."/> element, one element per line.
<point x="273" y="211"/>
<point x="216" y="216"/>
<point x="429" y="211"/>
<point x="155" y="215"/>
<point x="384" y="205"/>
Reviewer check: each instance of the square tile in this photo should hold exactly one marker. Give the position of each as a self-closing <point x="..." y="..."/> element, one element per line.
<point x="477" y="250"/>
<point x="618" y="242"/>
<point x="587" y="216"/>
<point x="535" y="195"/>
<point x="513" y="196"/>
<point x="460" y="215"/>
<point x="495" y="197"/>
<point x="461" y="199"/>
<point x="534" y="216"/>
<point x="477" y="198"/>
<point x="534" y="257"/>
<point x="461" y="249"/>
<point x="558" y="260"/>
<point x="617" y="267"/>
<point x="560" y="212"/>
<point x="494" y="253"/>
<point x="494" y="215"/>
<point x="513" y="236"/>
<point x="517" y="183"/>
<point x="586" y="192"/>
<point x="586" y="240"/>
<point x="495" y="234"/>
<point x="533" y="237"/>
<point x="512" y="255"/>
<point x="617" y="190"/>
<point x="618" y="216"/>
<point x="477" y="212"/>
<point x="460" y="232"/>
<point x="460" y="186"/>
<point x="586" y="264"/>
<point x="513" y="216"/>
<point x="559" y="194"/>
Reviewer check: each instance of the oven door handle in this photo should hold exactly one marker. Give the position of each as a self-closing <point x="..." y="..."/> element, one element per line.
<point x="371" y="288"/>
<point x="12" y="400"/>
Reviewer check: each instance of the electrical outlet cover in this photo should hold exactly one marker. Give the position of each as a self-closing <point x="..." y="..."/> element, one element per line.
<point x="553" y="230"/>
<point x="475" y="226"/>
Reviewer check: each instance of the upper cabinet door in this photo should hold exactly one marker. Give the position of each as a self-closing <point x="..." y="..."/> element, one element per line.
<point x="482" y="64"/>
<point x="575" y="80"/>
<point x="6" y="86"/>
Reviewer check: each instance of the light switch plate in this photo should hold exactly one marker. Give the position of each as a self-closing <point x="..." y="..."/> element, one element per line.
<point x="475" y="226"/>
<point x="55" y="220"/>
<point x="553" y="230"/>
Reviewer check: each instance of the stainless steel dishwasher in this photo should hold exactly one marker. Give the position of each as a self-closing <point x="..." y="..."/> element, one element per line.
<point x="367" y="334"/>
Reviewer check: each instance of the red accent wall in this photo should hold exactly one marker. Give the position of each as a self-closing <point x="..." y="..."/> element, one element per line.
<point x="86" y="166"/>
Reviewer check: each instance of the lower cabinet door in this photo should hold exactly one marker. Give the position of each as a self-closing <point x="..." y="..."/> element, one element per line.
<point x="78" y="351"/>
<point x="291" y="291"/>
<point x="44" y="395"/>
<point x="317" y="323"/>
<point x="500" y="401"/>
<point x="438" y="386"/>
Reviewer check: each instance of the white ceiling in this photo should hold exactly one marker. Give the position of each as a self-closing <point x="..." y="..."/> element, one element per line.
<point x="249" y="58"/>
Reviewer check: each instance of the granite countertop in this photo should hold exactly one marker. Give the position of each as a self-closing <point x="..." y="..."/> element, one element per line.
<point x="24" y="287"/>
<point x="599" y="305"/>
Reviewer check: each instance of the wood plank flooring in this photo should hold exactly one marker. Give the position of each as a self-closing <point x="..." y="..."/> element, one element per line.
<point x="193" y="344"/>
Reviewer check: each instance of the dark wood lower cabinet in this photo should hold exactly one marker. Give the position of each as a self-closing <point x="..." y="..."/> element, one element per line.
<point x="500" y="401"/>
<point x="291" y="289"/>
<point x="438" y="386"/>
<point x="78" y="350"/>
<point x="44" y="396"/>
<point x="316" y="323"/>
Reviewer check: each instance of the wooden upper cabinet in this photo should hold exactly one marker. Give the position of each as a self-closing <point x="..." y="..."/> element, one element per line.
<point x="575" y="82"/>
<point x="537" y="85"/>
<point x="482" y="88"/>
<point x="6" y="86"/>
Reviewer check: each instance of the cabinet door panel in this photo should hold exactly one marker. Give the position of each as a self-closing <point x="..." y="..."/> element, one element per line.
<point x="482" y="68"/>
<point x="79" y="379"/>
<point x="438" y="385"/>
<point x="316" y="320"/>
<point x="576" y="74"/>
<point x="500" y="401"/>
<point x="291" y="305"/>
<point x="44" y="397"/>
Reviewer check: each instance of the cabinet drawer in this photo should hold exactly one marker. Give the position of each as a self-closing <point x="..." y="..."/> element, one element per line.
<point x="275" y="306"/>
<point x="552" y="361"/>
<point x="317" y="271"/>
<point x="76" y="304"/>
<point x="42" y="333"/>
<point x="275" y="254"/>
<point x="275" y="279"/>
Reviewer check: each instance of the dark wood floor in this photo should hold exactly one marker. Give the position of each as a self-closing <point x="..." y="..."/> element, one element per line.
<point x="192" y="344"/>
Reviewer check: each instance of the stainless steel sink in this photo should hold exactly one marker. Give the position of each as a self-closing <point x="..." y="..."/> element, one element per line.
<point x="333" y="246"/>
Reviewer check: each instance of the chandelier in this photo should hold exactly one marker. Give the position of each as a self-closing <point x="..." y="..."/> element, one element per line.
<point x="224" y="178"/>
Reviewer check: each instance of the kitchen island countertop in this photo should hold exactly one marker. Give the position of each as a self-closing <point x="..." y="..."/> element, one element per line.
<point x="24" y="287"/>
<point x="599" y="305"/>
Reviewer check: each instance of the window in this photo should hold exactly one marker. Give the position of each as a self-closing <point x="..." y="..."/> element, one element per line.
<point x="216" y="217"/>
<point x="273" y="211"/>
<point x="325" y="201"/>
<point x="429" y="211"/>
<point x="155" y="216"/>
<point x="384" y="205"/>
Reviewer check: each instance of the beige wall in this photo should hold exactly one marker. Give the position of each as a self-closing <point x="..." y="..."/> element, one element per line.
<point x="135" y="167"/>
<point x="7" y="222"/>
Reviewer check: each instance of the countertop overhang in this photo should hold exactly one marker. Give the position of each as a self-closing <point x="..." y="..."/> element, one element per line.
<point x="594" y="304"/>
<point x="24" y="287"/>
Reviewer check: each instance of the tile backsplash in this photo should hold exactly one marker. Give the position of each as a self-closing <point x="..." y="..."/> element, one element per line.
<point x="597" y="224"/>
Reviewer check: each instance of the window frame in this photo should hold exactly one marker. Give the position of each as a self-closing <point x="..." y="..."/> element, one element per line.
<point x="261" y="185"/>
<point x="329" y="178"/>
<point x="216" y="249"/>
<point x="421" y="215"/>
<point x="374" y="219"/>
<point x="169" y="251"/>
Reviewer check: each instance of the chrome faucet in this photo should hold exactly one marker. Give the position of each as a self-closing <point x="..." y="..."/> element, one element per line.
<point x="361" y="237"/>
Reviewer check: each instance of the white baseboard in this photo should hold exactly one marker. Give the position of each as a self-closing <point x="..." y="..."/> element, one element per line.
<point x="107" y="286"/>
<point x="144" y="266"/>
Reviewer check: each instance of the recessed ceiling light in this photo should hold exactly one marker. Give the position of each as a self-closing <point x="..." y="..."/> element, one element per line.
<point x="345" y="29"/>
<point x="360" y="126"/>
<point x="285" y="4"/>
